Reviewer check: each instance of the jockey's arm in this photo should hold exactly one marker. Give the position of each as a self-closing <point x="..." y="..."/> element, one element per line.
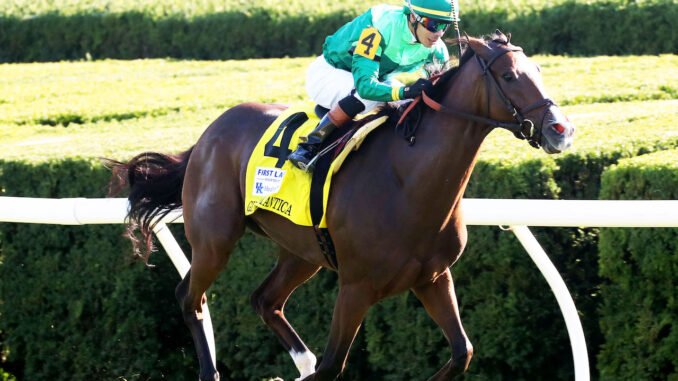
<point x="367" y="84"/>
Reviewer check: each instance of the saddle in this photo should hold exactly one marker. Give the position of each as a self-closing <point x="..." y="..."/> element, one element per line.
<point x="274" y="184"/>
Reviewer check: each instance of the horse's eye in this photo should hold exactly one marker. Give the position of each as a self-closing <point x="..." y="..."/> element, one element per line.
<point x="508" y="76"/>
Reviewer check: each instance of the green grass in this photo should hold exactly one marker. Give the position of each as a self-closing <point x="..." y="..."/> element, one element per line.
<point x="599" y="126"/>
<point x="119" y="108"/>
<point x="115" y="139"/>
<point x="623" y="125"/>
<point x="83" y="92"/>
<point x="573" y="81"/>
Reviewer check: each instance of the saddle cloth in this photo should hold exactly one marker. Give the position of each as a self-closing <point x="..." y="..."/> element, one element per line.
<point x="274" y="184"/>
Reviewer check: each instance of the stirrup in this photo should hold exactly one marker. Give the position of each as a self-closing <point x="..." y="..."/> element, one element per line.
<point x="310" y="166"/>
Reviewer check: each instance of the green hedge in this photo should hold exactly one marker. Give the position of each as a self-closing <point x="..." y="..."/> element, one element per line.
<point x="72" y="302"/>
<point x="639" y="306"/>
<point x="115" y="318"/>
<point x="572" y="27"/>
<point x="589" y="28"/>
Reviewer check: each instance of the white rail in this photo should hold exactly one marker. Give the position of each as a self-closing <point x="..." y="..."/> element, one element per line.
<point x="477" y="211"/>
<point x="517" y="214"/>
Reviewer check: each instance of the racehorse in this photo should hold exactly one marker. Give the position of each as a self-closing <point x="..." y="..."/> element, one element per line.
<point x="393" y="212"/>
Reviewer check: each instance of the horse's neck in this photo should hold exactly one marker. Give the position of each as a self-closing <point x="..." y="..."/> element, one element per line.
<point x="447" y="148"/>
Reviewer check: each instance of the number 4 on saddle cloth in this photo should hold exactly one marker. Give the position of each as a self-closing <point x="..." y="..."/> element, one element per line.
<point x="274" y="184"/>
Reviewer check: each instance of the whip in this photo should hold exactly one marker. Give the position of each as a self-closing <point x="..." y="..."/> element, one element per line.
<point x="455" y="14"/>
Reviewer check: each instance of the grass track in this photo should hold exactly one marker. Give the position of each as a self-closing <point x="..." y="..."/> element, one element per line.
<point x="81" y="92"/>
<point x="119" y="108"/>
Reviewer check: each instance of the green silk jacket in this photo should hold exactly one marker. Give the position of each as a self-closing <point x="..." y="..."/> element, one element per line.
<point x="376" y="46"/>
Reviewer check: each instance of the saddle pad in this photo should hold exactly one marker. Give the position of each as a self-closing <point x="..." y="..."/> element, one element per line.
<point x="273" y="183"/>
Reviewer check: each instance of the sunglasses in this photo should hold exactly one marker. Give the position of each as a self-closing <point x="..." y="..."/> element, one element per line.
<point x="432" y="25"/>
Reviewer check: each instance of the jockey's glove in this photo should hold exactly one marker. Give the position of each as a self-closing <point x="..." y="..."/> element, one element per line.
<point x="414" y="90"/>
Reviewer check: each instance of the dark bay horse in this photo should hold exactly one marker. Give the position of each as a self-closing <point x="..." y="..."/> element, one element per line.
<point x="393" y="211"/>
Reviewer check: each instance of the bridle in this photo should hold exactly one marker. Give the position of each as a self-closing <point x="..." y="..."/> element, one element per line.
<point x="523" y="128"/>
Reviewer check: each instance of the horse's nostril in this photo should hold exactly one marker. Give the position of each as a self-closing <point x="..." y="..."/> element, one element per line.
<point x="559" y="127"/>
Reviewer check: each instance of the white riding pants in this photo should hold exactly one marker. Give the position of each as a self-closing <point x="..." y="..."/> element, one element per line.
<point x="327" y="85"/>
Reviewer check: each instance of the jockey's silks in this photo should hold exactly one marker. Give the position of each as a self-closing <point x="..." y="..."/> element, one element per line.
<point x="376" y="46"/>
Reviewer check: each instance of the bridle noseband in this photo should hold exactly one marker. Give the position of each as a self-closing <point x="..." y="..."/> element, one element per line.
<point x="523" y="128"/>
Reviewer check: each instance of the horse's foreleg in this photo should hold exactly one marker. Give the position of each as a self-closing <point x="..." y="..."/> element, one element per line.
<point x="352" y="304"/>
<point x="440" y="301"/>
<point x="269" y="300"/>
<point x="212" y="248"/>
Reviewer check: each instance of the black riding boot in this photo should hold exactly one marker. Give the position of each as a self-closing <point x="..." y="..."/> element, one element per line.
<point x="338" y="116"/>
<point x="307" y="150"/>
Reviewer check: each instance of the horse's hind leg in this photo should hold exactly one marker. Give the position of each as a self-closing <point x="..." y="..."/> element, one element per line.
<point x="212" y="241"/>
<point x="440" y="301"/>
<point x="269" y="301"/>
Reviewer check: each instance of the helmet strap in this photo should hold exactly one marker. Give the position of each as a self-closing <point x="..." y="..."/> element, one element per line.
<point x="414" y="26"/>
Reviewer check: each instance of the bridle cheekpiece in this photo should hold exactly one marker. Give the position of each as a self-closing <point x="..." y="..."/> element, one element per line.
<point x="523" y="128"/>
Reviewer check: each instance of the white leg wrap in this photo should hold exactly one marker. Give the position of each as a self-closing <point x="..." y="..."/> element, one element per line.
<point x="305" y="362"/>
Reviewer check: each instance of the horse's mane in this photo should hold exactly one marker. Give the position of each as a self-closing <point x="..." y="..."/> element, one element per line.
<point x="447" y="75"/>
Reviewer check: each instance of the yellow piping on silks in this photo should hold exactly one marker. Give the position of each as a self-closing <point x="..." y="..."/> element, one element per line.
<point x="430" y="11"/>
<point x="395" y="93"/>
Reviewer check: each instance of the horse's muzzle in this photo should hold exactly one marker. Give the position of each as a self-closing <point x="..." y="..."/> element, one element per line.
<point x="557" y="132"/>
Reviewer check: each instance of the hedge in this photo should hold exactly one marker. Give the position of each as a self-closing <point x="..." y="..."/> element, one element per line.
<point x="572" y="27"/>
<point x="72" y="304"/>
<point x="129" y="311"/>
<point x="639" y="267"/>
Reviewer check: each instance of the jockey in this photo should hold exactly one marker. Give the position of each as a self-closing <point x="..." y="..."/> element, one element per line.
<point x="354" y="73"/>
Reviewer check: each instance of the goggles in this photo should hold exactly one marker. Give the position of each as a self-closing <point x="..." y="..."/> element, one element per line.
<point x="432" y="25"/>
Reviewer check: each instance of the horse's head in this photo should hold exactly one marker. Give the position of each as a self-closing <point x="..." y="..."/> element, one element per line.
<point x="515" y="95"/>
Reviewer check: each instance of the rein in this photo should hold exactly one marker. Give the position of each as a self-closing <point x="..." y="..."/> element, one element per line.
<point x="523" y="128"/>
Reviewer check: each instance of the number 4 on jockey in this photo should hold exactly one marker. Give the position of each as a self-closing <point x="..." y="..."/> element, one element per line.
<point x="355" y="72"/>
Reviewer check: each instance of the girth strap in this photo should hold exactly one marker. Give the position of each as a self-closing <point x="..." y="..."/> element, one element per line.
<point x="326" y="246"/>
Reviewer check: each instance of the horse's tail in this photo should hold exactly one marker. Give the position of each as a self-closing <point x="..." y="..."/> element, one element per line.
<point x="155" y="182"/>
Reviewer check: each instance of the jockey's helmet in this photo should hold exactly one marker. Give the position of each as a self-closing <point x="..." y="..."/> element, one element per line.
<point x="443" y="10"/>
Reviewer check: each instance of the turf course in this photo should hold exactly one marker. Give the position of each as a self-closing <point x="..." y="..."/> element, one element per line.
<point x="119" y="108"/>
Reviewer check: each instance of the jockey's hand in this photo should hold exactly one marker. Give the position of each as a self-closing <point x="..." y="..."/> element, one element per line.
<point x="414" y="90"/>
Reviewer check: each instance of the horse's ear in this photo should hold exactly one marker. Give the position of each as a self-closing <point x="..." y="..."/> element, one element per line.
<point x="479" y="47"/>
<point x="461" y="41"/>
<point x="500" y="36"/>
<point x="508" y="38"/>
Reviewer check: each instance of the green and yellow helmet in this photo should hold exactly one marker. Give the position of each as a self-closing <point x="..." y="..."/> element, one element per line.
<point x="443" y="10"/>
